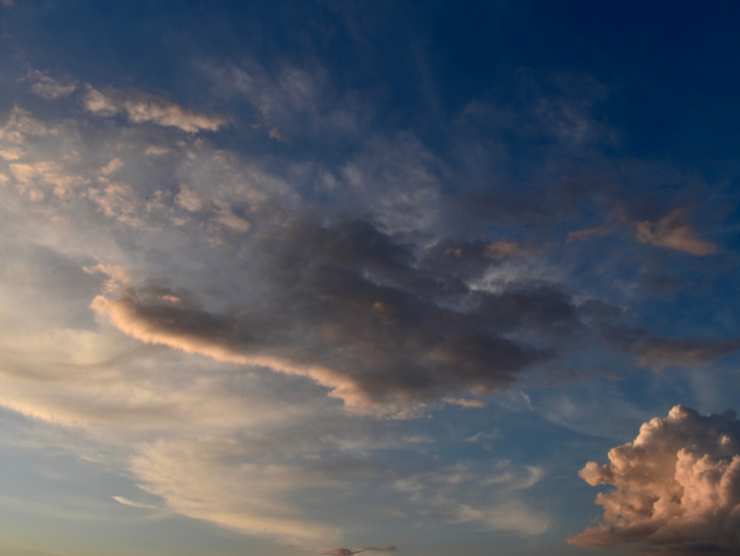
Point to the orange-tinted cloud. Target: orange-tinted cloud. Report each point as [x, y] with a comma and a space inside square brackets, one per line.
[672, 232]
[676, 487]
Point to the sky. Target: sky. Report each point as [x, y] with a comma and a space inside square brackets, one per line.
[417, 278]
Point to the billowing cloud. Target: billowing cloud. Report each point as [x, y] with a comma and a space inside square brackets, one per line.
[141, 108]
[672, 232]
[676, 487]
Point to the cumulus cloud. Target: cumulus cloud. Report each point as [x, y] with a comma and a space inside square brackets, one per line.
[672, 232]
[142, 108]
[676, 487]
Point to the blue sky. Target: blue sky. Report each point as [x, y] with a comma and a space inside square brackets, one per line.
[295, 277]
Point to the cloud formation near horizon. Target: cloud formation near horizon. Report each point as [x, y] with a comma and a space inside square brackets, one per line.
[676, 487]
[349, 552]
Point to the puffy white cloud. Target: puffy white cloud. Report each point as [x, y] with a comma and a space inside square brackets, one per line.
[676, 487]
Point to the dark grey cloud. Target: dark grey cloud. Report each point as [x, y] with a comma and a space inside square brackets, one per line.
[373, 320]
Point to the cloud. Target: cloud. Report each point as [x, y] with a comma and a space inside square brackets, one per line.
[513, 517]
[588, 233]
[142, 108]
[676, 487]
[123, 501]
[199, 480]
[349, 552]
[355, 316]
[486, 498]
[45, 86]
[46, 175]
[293, 102]
[659, 353]
[672, 232]
[21, 125]
[503, 248]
